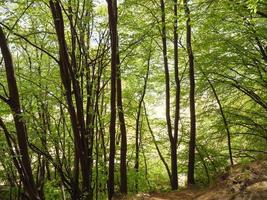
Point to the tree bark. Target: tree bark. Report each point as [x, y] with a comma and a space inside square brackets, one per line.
[137, 124]
[174, 166]
[173, 136]
[123, 150]
[224, 120]
[21, 131]
[192, 142]
[166, 69]
[112, 127]
[68, 74]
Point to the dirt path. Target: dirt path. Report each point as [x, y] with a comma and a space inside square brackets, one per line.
[183, 195]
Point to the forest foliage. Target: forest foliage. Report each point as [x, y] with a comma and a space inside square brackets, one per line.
[101, 97]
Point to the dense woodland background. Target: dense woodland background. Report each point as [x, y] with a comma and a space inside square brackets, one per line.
[102, 97]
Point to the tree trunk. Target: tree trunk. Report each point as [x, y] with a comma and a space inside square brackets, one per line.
[112, 128]
[123, 152]
[156, 145]
[224, 120]
[166, 69]
[137, 124]
[172, 136]
[21, 131]
[192, 142]
[68, 74]
[174, 166]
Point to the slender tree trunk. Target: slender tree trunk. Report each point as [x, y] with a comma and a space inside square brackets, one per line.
[112, 128]
[65, 77]
[136, 162]
[166, 69]
[173, 137]
[68, 72]
[123, 153]
[174, 166]
[137, 124]
[203, 163]
[123, 150]
[156, 145]
[137, 151]
[21, 131]
[192, 142]
[224, 120]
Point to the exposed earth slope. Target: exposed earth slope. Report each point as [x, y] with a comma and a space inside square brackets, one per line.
[240, 182]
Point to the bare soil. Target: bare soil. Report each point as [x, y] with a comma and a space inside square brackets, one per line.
[240, 182]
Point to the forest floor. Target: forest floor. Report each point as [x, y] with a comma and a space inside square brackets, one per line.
[240, 182]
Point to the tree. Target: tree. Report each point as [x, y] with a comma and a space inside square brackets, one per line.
[112, 9]
[192, 142]
[22, 164]
[123, 150]
[173, 135]
[174, 141]
[93, 100]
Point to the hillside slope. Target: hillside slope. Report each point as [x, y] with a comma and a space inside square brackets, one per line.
[240, 182]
